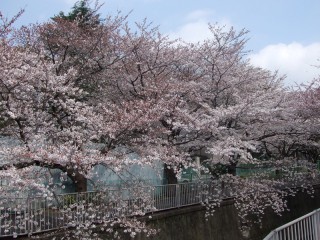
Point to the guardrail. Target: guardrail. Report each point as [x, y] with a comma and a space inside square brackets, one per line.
[26, 216]
[306, 227]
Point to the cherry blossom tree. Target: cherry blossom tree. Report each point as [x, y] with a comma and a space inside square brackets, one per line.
[57, 121]
[241, 115]
[93, 101]
[79, 91]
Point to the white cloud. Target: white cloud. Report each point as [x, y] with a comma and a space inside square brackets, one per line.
[193, 31]
[195, 28]
[199, 14]
[295, 60]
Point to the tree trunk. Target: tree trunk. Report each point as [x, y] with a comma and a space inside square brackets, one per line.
[79, 181]
[169, 175]
[232, 168]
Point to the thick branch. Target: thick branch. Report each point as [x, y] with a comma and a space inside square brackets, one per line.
[21, 165]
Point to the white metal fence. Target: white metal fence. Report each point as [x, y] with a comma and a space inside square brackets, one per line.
[306, 227]
[25, 216]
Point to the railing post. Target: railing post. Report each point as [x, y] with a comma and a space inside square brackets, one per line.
[153, 199]
[203, 188]
[178, 202]
[318, 222]
[315, 225]
[29, 220]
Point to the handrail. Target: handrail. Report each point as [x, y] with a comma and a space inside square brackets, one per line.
[305, 227]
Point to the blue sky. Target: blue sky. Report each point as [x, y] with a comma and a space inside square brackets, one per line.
[283, 34]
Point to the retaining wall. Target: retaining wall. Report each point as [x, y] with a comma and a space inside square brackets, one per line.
[189, 223]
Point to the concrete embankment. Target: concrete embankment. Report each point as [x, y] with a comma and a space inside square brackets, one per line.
[189, 223]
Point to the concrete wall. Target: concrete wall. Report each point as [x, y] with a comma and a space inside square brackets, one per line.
[299, 205]
[190, 223]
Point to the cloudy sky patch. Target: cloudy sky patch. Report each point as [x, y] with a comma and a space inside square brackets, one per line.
[283, 34]
[295, 60]
[195, 27]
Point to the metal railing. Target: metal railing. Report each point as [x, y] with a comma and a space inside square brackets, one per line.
[26, 216]
[306, 227]
[29, 215]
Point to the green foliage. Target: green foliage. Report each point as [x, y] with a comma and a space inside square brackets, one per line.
[82, 13]
[69, 199]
